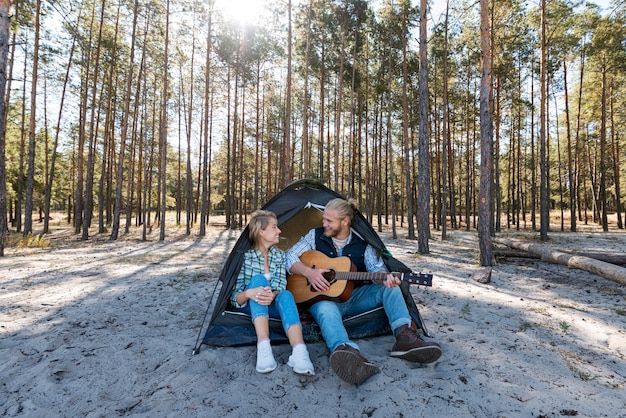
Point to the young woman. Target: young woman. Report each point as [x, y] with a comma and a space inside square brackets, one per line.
[260, 291]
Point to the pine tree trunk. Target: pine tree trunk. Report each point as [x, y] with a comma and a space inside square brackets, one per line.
[5, 24]
[287, 178]
[616, 153]
[544, 208]
[570, 160]
[405, 129]
[445, 134]
[30, 175]
[50, 179]
[486, 140]
[124, 130]
[206, 190]
[423, 193]
[603, 203]
[163, 130]
[93, 132]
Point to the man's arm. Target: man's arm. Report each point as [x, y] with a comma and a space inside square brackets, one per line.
[293, 254]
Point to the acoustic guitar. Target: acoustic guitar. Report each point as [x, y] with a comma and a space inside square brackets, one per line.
[341, 276]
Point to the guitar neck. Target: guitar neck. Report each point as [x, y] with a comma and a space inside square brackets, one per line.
[362, 276]
[424, 279]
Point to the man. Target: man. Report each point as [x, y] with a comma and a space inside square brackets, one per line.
[335, 239]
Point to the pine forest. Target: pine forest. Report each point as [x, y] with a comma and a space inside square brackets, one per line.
[117, 113]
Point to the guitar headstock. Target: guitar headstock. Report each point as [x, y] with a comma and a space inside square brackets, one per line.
[424, 279]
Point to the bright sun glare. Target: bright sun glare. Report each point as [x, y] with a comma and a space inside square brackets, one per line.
[244, 11]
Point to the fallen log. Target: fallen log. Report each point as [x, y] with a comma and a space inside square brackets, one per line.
[600, 268]
[617, 259]
[513, 253]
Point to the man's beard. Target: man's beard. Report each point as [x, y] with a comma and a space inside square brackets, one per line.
[330, 232]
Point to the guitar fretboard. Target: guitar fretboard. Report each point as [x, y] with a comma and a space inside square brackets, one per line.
[360, 275]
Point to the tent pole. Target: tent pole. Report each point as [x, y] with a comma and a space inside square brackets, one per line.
[196, 346]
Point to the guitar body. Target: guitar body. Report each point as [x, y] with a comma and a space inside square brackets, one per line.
[339, 290]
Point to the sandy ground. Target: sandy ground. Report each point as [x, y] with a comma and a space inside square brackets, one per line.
[102, 328]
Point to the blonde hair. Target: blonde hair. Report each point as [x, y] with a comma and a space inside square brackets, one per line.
[344, 208]
[259, 220]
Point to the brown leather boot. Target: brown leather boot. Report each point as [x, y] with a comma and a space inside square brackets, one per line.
[350, 365]
[410, 346]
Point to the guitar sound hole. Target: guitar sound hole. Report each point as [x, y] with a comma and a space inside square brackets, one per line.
[330, 276]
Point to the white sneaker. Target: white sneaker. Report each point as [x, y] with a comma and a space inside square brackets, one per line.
[265, 362]
[300, 362]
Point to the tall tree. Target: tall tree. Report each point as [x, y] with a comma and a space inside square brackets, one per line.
[57, 133]
[32, 128]
[93, 131]
[423, 192]
[5, 24]
[163, 127]
[445, 129]
[608, 53]
[188, 132]
[344, 18]
[544, 207]
[117, 211]
[206, 178]
[615, 153]
[405, 119]
[486, 140]
[287, 164]
[306, 148]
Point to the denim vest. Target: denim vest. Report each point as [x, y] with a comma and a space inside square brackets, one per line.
[354, 250]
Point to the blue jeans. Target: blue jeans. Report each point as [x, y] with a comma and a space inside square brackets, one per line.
[328, 314]
[283, 307]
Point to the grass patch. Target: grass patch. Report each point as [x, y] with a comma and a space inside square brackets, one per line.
[34, 241]
[610, 290]
[465, 311]
[201, 277]
[526, 326]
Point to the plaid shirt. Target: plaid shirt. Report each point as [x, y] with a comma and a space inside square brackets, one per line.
[254, 264]
[373, 263]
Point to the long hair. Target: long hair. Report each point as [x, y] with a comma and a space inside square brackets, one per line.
[259, 220]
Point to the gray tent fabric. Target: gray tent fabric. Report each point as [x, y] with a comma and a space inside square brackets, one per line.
[298, 208]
